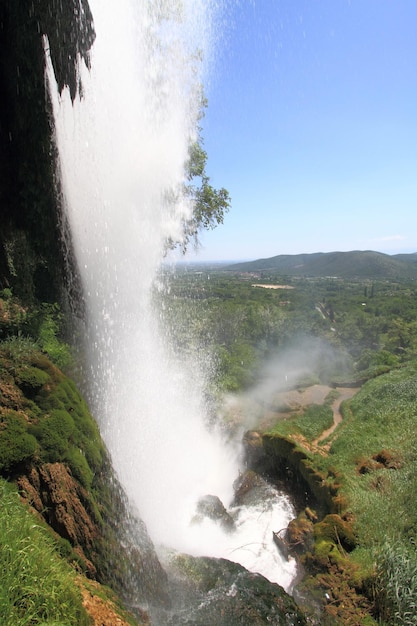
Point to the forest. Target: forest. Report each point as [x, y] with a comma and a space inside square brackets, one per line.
[244, 319]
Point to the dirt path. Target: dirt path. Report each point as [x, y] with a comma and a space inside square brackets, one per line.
[345, 394]
[296, 399]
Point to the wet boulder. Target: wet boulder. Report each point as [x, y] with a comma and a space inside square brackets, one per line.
[217, 591]
[245, 484]
[211, 507]
[253, 447]
[251, 489]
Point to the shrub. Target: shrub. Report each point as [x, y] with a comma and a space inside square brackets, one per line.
[19, 348]
[58, 351]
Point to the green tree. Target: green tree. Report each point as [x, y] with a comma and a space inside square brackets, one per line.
[210, 204]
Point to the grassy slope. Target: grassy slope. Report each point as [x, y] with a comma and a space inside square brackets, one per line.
[372, 458]
[37, 586]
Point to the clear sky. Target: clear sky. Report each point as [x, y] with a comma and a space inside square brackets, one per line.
[312, 127]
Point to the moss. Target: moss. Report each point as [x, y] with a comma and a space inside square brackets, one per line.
[300, 533]
[323, 548]
[334, 528]
[17, 446]
[54, 433]
[53, 418]
[79, 466]
[286, 457]
[30, 380]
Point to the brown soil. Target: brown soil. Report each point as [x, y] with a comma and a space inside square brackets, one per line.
[104, 612]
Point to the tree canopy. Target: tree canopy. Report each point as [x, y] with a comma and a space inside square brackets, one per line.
[210, 204]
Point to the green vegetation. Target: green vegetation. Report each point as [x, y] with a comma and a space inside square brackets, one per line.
[361, 328]
[37, 586]
[17, 446]
[370, 471]
[364, 474]
[210, 204]
[35, 327]
[375, 449]
[313, 420]
[43, 418]
[396, 583]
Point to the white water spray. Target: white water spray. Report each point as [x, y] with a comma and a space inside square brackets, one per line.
[122, 150]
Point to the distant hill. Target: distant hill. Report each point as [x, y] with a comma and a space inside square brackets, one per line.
[355, 264]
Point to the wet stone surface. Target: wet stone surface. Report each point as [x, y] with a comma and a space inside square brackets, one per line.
[216, 591]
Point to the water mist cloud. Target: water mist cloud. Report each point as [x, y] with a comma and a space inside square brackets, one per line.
[306, 361]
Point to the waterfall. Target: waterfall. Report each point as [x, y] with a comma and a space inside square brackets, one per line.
[122, 151]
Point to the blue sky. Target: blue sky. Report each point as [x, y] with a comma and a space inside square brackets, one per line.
[312, 127]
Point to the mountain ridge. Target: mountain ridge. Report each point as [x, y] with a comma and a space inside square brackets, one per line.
[352, 264]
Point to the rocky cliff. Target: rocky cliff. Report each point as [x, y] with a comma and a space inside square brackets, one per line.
[33, 258]
[51, 449]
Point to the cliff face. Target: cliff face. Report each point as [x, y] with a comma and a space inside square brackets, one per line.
[32, 260]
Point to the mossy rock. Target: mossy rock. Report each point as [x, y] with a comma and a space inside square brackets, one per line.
[17, 446]
[79, 467]
[300, 533]
[217, 591]
[47, 415]
[54, 434]
[286, 458]
[30, 380]
[337, 530]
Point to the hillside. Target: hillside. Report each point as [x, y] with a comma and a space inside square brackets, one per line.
[354, 264]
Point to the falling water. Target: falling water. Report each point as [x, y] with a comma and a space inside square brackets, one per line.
[122, 151]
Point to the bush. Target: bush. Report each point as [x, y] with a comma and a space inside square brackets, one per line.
[58, 351]
[18, 348]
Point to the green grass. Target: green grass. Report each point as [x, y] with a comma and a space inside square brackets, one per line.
[381, 417]
[36, 586]
[396, 583]
[311, 423]
[374, 455]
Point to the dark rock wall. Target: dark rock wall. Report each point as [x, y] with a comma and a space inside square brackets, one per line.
[32, 259]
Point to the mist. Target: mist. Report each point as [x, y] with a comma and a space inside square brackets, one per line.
[304, 362]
